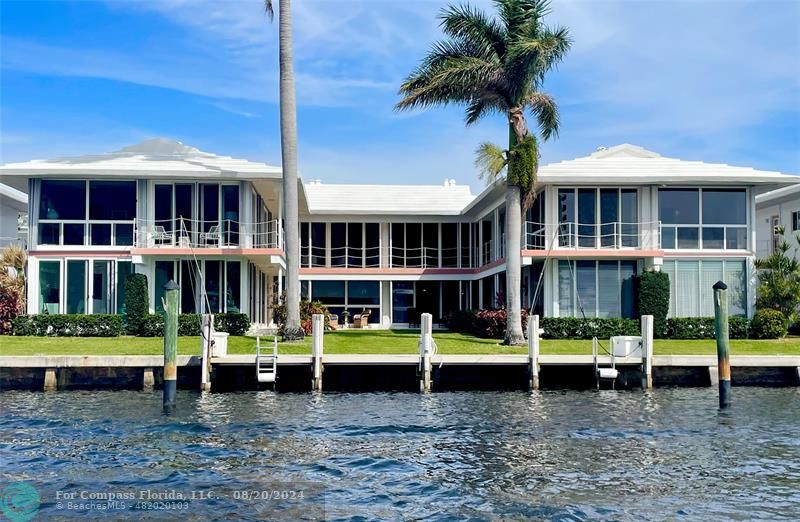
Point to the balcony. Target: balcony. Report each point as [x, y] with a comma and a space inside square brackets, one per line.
[613, 235]
[196, 234]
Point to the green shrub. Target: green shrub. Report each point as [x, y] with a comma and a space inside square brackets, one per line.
[738, 327]
[491, 324]
[137, 302]
[653, 288]
[580, 328]
[768, 324]
[69, 325]
[190, 324]
[307, 309]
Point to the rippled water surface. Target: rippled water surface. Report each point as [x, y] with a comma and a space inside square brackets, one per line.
[572, 455]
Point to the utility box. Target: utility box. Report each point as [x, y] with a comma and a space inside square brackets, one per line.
[220, 347]
[626, 345]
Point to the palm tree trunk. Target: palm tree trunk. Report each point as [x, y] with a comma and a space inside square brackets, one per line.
[289, 164]
[514, 334]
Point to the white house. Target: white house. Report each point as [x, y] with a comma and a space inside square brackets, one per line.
[214, 223]
[779, 207]
[13, 215]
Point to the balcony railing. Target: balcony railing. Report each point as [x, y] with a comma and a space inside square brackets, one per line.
[191, 233]
[611, 235]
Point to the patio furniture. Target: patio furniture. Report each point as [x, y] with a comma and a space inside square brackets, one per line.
[362, 320]
[212, 234]
[160, 235]
[333, 321]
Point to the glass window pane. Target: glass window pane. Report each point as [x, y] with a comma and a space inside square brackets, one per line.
[355, 244]
[629, 203]
[679, 206]
[165, 272]
[305, 242]
[566, 217]
[101, 233]
[627, 271]
[163, 206]
[317, 244]
[233, 288]
[123, 234]
[430, 233]
[736, 279]
[450, 297]
[230, 214]
[213, 283]
[587, 204]
[713, 237]
[668, 239]
[338, 244]
[76, 287]
[608, 289]
[413, 244]
[565, 290]
[372, 238]
[50, 286]
[710, 273]
[328, 292]
[73, 233]
[669, 269]
[62, 199]
[363, 292]
[449, 244]
[402, 300]
[189, 288]
[49, 233]
[585, 286]
[736, 238]
[688, 237]
[101, 287]
[113, 200]
[398, 247]
[725, 206]
[123, 269]
[609, 218]
[210, 206]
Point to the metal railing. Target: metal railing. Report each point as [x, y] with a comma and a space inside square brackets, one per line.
[384, 256]
[610, 235]
[193, 233]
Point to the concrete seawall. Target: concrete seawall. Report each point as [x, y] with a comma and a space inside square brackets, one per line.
[384, 372]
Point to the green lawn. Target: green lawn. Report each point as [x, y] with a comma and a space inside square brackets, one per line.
[370, 341]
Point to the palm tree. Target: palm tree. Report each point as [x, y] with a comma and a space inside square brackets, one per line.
[497, 65]
[288, 105]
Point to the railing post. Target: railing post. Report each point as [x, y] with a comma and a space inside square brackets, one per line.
[721, 333]
[533, 351]
[425, 348]
[317, 330]
[170, 345]
[647, 352]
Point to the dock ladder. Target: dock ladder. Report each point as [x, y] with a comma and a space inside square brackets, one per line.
[266, 363]
[604, 373]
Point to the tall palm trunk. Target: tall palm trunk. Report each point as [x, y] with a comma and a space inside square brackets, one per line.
[514, 334]
[289, 163]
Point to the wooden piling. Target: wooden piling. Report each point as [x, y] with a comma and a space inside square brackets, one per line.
[425, 352]
[647, 352]
[170, 344]
[533, 352]
[317, 332]
[721, 333]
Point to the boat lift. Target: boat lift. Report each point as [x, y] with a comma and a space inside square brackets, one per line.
[266, 363]
[621, 346]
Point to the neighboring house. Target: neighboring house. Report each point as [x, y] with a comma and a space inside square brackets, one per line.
[173, 212]
[13, 216]
[779, 207]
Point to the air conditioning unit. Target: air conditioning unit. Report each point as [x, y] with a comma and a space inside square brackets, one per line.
[626, 345]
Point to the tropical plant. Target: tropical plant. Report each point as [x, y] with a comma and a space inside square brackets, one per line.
[288, 106]
[497, 65]
[779, 279]
[12, 286]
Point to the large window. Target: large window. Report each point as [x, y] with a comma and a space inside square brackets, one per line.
[353, 296]
[71, 214]
[79, 286]
[597, 218]
[50, 286]
[693, 218]
[596, 288]
[691, 285]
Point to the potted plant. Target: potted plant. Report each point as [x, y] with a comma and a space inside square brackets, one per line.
[345, 315]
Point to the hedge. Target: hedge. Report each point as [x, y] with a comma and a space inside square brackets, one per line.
[653, 291]
[136, 302]
[189, 324]
[580, 328]
[69, 325]
[703, 328]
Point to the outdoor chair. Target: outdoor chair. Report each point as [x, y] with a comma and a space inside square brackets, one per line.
[333, 321]
[160, 235]
[211, 235]
[362, 320]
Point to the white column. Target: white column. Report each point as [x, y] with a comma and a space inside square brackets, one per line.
[317, 328]
[425, 349]
[647, 352]
[533, 351]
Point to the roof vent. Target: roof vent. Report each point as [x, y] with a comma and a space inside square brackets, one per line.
[601, 148]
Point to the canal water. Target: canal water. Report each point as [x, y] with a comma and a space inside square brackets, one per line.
[665, 455]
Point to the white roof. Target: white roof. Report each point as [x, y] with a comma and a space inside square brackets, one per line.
[633, 164]
[445, 199]
[14, 194]
[159, 157]
[785, 192]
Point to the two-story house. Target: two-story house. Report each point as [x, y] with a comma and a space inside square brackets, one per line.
[214, 225]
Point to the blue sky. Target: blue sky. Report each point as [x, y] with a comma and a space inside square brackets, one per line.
[717, 81]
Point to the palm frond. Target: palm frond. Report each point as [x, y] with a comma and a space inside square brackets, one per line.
[531, 57]
[490, 160]
[268, 9]
[485, 104]
[545, 110]
[473, 25]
